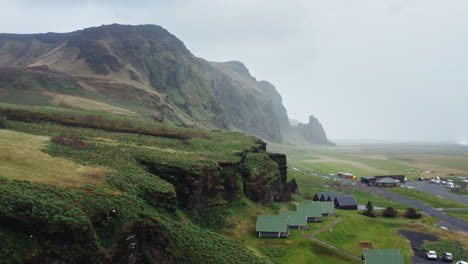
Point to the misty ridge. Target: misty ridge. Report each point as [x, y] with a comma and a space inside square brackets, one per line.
[386, 70]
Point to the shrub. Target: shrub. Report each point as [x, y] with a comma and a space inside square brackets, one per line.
[390, 212]
[3, 121]
[70, 141]
[369, 210]
[412, 213]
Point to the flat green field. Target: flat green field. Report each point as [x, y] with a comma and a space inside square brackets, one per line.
[365, 160]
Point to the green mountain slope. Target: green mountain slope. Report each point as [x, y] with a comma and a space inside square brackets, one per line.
[131, 191]
[141, 71]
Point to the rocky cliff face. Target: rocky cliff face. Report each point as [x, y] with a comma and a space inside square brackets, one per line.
[142, 71]
[247, 106]
[313, 132]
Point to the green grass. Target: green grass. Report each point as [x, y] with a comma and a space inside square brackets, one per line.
[310, 185]
[295, 249]
[381, 232]
[139, 184]
[462, 214]
[456, 248]
[21, 158]
[428, 198]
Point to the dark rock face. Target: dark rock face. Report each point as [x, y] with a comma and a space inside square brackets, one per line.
[277, 100]
[280, 159]
[260, 176]
[313, 132]
[143, 242]
[245, 104]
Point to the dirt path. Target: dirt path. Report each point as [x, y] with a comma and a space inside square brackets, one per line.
[312, 237]
[369, 169]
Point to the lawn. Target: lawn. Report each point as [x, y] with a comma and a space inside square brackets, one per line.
[357, 229]
[295, 249]
[462, 214]
[21, 158]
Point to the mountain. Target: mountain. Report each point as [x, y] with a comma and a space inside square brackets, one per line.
[312, 133]
[142, 71]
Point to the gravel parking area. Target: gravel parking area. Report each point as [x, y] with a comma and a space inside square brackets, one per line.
[417, 240]
[437, 189]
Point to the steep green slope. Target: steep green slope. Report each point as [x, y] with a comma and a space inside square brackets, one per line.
[161, 191]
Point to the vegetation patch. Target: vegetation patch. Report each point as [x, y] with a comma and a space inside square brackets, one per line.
[22, 158]
[454, 247]
[428, 198]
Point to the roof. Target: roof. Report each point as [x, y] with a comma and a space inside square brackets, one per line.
[310, 209]
[333, 196]
[368, 177]
[384, 259]
[388, 180]
[322, 194]
[368, 252]
[327, 207]
[272, 223]
[295, 218]
[382, 256]
[346, 200]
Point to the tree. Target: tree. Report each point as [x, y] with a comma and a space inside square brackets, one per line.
[3, 121]
[390, 212]
[369, 209]
[412, 213]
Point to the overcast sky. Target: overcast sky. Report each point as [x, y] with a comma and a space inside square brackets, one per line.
[368, 69]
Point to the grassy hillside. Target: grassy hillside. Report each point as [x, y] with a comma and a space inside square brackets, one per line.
[79, 186]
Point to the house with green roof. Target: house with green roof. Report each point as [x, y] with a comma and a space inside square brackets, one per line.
[313, 211]
[328, 208]
[297, 220]
[382, 256]
[272, 225]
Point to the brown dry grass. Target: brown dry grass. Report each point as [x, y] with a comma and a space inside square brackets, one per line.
[21, 158]
[86, 104]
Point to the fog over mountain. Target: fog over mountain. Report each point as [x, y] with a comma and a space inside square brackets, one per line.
[381, 69]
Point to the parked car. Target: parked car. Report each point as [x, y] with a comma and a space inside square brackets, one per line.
[431, 255]
[421, 178]
[462, 262]
[437, 181]
[443, 182]
[447, 257]
[432, 181]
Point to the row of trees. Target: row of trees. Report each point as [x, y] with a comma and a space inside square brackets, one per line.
[391, 212]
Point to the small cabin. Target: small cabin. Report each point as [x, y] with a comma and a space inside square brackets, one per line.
[328, 208]
[382, 256]
[272, 226]
[387, 182]
[297, 219]
[313, 211]
[346, 203]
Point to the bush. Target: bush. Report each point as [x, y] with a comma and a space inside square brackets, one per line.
[412, 213]
[390, 212]
[3, 121]
[71, 142]
[370, 210]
